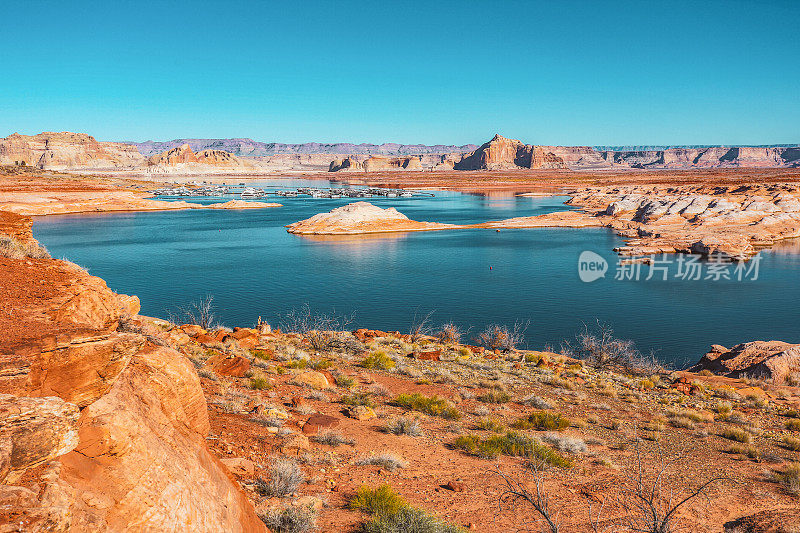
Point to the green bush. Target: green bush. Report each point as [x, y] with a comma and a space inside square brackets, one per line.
[542, 420]
[433, 405]
[488, 424]
[297, 363]
[325, 364]
[378, 361]
[408, 520]
[511, 444]
[344, 381]
[381, 500]
[259, 383]
[358, 398]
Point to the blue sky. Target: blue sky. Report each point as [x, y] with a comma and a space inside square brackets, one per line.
[558, 72]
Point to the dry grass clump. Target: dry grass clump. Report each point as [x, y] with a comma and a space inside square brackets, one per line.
[290, 519]
[378, 360]
[791, 443]
[388, 460]
[511, 444]
[14, 249]
[404, 426]
[344, 381]
[502, 337]
[790, 478]
[432, 405]
[723, 409]
[565, 443]
[258, 383]
[488, 424]
[296, 364]
[744, 449]
[285, 476]
[793, 424]
[333, 438]
[542, 420]
[536, 402]
[358, 398]
[494, 396]
[736, 434]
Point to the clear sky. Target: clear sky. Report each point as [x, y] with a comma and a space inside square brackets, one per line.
[552, 72]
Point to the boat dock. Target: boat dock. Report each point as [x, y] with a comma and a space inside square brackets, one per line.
[248, 193]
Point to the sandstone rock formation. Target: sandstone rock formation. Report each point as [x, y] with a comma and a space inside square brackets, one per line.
[705, 157]
[772, 360]
[185, 161]
[68, 151]
[502, 154]
[100, 429]
[361, 217]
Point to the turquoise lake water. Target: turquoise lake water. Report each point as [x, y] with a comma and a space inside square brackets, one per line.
[253, 268]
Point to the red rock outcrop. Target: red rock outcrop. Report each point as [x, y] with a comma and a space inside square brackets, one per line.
[184, 159]
[100, 429]
[772, 360]
[501, 154]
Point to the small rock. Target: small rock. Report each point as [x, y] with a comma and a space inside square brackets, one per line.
[455, 485]
[313, 379]
[294, 444]
[240, 466]
[308, 502]
[361, 412]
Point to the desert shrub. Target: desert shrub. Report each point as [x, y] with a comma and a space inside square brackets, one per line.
[724, 409]
[449, 334]
[494, 396]
[680, 421]
[285, 476]
[388, 460]
[790, 478]
[290, 519]
[404, 426]
[744, 449]
[488, 424]
[793, 424]
[542, 420]
[646, 384]
[791, 443]
[408, 520]
[323, 364]
[14, 249]
[511, 444]
[501, 337]
[791, 413]
[378, 361]
[260, 354]
[379, 390]
[792, 379]
[258, 383]
[601, 349]
[536, 402]
[358, 398]
[381, 500]
[432, 405]
[344, 381]
[298, 364]
[564, 443]
[736, 434]
[320, 329]
[333, 438]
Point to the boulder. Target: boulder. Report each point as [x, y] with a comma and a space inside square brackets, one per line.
[311, 378]
[317, 422]
[193, 330]
[361, 412]
[229, 365]
[773, 360]
[239, 466]
[294, 444]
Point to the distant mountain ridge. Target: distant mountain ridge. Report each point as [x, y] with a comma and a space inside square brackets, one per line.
[251, 148]
[657, 147]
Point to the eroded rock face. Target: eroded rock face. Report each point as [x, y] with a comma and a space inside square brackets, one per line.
[501, 153]
[184, 159]
[772, 360]
[67, 151]
[100, 430]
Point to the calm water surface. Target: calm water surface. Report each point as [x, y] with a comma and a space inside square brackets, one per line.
[253, 268]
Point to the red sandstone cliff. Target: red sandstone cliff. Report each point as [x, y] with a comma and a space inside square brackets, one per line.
[67, 151]
[100, 428]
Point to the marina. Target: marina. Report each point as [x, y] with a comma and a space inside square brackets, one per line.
[252, 193]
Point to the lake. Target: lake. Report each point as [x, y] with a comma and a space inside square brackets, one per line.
[253, 267]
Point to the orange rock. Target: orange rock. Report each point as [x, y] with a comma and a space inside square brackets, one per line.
[318, 421]
[430, 355]
[226, 365]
